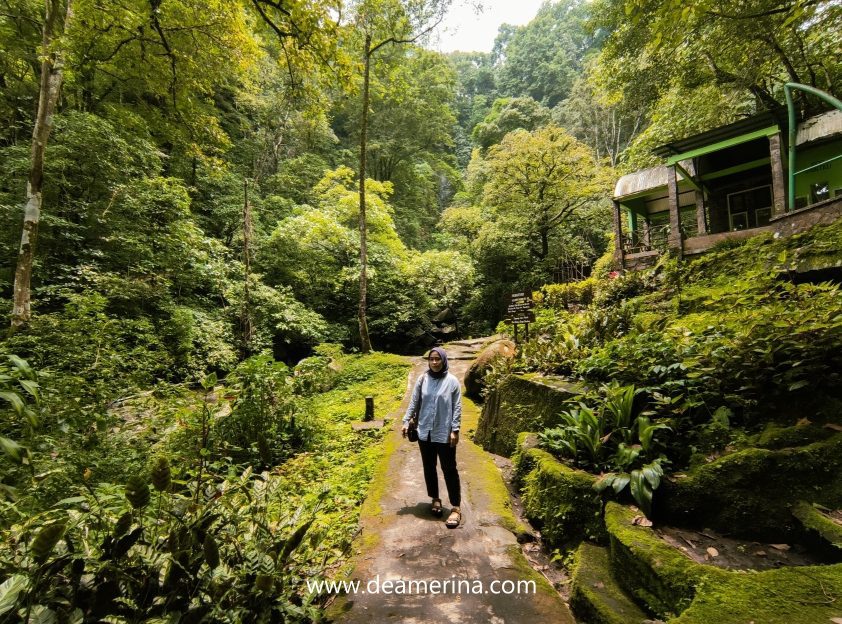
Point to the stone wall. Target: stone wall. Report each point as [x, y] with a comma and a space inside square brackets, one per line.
[797, 221]
[528, 402]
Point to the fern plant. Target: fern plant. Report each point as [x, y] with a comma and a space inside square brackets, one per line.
[612, 437]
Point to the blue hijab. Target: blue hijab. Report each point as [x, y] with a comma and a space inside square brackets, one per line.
[443, 371]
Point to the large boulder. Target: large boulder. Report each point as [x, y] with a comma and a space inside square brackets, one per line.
[529, 402]
[480, 366]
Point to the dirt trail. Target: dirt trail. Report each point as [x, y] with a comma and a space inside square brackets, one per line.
[401, 541]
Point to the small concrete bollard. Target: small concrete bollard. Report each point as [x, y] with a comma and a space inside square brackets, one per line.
[369, 408]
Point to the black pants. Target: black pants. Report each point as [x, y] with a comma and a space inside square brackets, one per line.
[447, 455]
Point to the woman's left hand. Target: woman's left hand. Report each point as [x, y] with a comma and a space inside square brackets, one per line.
[454, 438]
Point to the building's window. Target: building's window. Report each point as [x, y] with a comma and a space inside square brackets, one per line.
[750, 208]
[819, 192]
[739, 221]
[800, 202]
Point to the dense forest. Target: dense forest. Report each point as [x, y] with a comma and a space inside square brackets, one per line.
[204, 203]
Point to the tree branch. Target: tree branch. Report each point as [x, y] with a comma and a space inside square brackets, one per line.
[749, 16]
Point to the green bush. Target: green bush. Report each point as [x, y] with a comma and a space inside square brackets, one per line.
[131, 554]
[562, 296]
[606, 431]
[262, 428]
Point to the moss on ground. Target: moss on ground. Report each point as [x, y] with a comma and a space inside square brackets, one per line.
[521, 403]
[803, 595]
[819, 527]
[774, 436]
[673, 586]
[596, 597]
[750, 493]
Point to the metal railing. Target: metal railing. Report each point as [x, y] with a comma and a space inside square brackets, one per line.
[793, 133]
[656, 238]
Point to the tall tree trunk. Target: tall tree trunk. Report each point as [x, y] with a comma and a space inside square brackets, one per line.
[365, 341]
[248, 328]
[51, 78]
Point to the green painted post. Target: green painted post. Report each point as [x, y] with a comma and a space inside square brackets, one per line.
[793, 130]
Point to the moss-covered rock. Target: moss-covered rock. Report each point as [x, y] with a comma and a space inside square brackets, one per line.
[596, 598]
[521, 403]
[650, 570]
[523, 461]
[774, 436]
[475, 375]
[750, 493]
[819, 528]
[802, 595]
[558, 498]
[681, 591]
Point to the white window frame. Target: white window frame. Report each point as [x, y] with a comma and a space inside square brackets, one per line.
[748, 190]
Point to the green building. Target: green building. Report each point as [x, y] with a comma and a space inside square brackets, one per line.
[727, 183]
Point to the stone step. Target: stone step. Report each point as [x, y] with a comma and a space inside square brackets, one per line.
[655, 574]
[596, 597]
[681, 591]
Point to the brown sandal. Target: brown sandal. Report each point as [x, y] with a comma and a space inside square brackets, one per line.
[454, 519]
[436, 509]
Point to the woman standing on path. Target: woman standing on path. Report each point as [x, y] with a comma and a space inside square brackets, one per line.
[437, 400]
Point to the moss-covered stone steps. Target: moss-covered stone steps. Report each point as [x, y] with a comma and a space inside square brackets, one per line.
[751, 493]
[681, 591]
[558, 499]
[596, 598]
[655, 574]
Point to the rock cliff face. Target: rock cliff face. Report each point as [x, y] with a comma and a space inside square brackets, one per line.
[522, 403]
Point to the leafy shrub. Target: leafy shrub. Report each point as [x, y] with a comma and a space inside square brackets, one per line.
[612, 435]
[625, 286]
[135, 555]
[562, 296]
[261, 429]
[314, 375]
[19, 406]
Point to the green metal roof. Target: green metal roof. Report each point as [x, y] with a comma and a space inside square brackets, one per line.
[721, 145]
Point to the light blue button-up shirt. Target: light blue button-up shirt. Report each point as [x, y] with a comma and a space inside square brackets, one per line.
[441, 407]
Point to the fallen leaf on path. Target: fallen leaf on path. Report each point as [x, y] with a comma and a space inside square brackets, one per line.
[760, 553]
[782, 547]
[712, 551]
[599, 585]
[836, 620]
[834, 426]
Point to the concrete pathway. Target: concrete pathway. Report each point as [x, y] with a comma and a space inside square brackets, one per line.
[402, 542]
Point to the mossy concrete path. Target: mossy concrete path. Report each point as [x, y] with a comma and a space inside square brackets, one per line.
[403, 543]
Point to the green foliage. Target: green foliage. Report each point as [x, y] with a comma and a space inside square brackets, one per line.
[209, 540]
[507, 115]
[262, 429]
[561, 296]
[543, 57]
[614, 436]
[94, 559]
[19, 405]
[315, 374]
